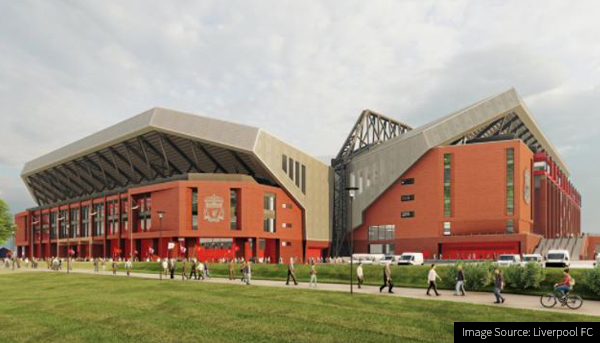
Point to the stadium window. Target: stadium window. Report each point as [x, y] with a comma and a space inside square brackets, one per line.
[381, 232]
[291, 169]
[510, 226]
[447, 227]
[510, 179]
[303, 179]
[233, 209]
[408, 197]
[447, 185]
[284, 163]
[409, 181]
[194, 208]
[407, 214]
[297, 174]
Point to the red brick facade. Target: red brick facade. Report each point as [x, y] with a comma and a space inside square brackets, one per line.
[246, 238]
[480, 222]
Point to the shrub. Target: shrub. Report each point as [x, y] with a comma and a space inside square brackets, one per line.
[592, 279]
[532, 276]
[478, 275]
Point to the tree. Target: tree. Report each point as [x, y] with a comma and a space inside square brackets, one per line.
[7, 226]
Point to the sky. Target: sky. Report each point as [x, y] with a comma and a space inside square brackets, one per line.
[302, 70]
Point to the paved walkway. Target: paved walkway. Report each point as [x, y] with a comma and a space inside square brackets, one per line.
[483, 298]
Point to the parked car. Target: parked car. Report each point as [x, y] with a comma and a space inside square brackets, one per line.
[508, 259]
[411, 258]
[558, 258]
[533, 258]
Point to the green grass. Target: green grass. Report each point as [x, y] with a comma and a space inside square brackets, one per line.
[55, 307]
[403, 276]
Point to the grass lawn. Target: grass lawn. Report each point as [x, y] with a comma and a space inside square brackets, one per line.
[49, 307]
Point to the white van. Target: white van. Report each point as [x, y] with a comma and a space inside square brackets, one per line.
[411, 258]
[533, 258]
[558, 258]
[367, 258]
[508, 259]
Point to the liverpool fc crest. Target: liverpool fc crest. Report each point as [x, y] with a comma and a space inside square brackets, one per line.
[213, 209]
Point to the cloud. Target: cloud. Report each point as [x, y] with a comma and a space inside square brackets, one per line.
[301, 70]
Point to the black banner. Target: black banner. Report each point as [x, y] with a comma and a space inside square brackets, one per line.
[526, 332]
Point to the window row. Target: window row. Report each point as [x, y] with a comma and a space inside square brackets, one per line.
[295, 170]
[382, 232]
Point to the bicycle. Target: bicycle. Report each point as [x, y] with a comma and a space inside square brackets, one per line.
[572, 301]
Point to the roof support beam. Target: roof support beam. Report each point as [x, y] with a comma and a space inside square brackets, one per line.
[86, 181]
[181, 153]
[84, 166]
[157, 153]
[240, 161]
[70, 180]
[42, 196]
[128, 160]
[66, 190]
[102, 158]
[211, 158]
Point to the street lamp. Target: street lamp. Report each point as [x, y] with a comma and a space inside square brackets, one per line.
[91, 232]
[351, 191]
[68, 247]
[58, 220]
[33, 223]
[131, 229]
[160, 218]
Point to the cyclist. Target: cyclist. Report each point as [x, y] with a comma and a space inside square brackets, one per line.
[565, 285]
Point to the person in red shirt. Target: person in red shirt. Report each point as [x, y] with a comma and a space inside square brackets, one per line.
[565, 285]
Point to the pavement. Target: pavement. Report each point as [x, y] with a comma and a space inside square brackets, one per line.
[518, 301]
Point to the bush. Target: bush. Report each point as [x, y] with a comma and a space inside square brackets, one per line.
[478, 276]
[592, 280]
[532, 276]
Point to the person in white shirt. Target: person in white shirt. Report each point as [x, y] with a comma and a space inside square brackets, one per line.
[200, 270]
[128, 266]
[359, 274]
[165, 266]
[431, 277]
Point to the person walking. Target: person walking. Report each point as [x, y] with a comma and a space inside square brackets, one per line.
[96, 265]
[248, 272]
[128, 267]
[165, 266]
[206, 273]
[114, 267]
[387, 279]
[460, 281]
[103, 265]
[313, 274]
[431, 277]
[359, 274]
[183, 269]
[291, 273]
[498, 287]
[231, 270]
[193, 270]
[200, 270]
[172, 267]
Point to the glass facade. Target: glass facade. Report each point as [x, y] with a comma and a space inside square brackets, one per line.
[387, 249]
[74, 229]
[216, 243]
[510, 181]
[233, 209]
[98, 220]
[382, 232]
[194, 208]
[269, 212]
[85, 221]
[447, 185]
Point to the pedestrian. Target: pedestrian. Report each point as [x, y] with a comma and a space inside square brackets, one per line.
[165, 266]
[313, 274]
[206, 273]
[95, 265]
[231, 270]
[431, 277]
[183, 269]
[566, 284]
[359, 274]
[387, 279]
[498, 287]
[248, 272]
[291, 273]
[460, 282]
[128, 266]
[114, 267]
[172, 268]
[103, 265]
[193, 270]
[200, 270]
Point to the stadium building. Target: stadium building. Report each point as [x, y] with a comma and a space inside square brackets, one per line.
[474, 184]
